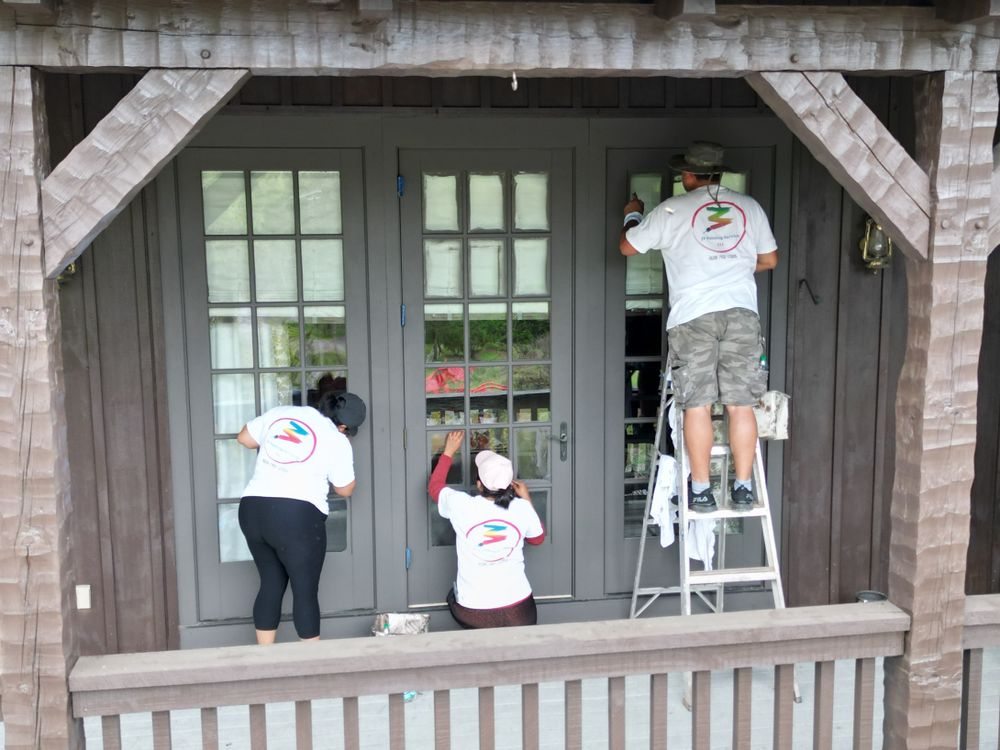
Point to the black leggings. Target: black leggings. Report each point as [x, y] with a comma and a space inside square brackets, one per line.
[287, 539]
[523, 612]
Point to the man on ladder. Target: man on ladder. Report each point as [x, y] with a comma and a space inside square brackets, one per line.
[713, 241]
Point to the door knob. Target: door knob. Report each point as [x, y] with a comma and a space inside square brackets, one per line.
[563, 438]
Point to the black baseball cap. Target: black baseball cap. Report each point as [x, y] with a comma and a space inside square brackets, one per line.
[345, 409]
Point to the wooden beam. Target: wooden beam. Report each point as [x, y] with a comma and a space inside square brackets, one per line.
[126, 150]
[936, 410]
[30, 7]
[441, 38]
[963, 11]
[995, 203]
[37, 642]
[374, 10]
[848, 139]
[670, 9]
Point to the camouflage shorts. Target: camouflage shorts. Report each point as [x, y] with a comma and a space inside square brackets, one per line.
[716, 357]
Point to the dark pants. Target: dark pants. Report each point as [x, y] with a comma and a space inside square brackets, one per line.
[287, 539]
[523, 612]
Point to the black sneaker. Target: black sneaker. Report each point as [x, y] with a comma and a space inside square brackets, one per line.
[701, 502]
[742, 498]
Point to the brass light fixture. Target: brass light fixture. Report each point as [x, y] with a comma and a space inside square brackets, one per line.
[876, 246]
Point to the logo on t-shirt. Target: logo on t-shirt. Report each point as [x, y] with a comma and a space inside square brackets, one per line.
[493, 540]
[289, 441]
[719, 226]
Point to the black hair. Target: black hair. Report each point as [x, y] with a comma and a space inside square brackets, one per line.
[499, 497]
[329, 405]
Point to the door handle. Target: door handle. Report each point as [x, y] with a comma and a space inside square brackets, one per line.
[563, 438]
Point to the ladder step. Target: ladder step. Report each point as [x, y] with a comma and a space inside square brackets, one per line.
[733, 575]
[758, 511]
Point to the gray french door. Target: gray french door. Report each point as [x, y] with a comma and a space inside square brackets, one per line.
[487, 283]
[636, 295]
[272, 249]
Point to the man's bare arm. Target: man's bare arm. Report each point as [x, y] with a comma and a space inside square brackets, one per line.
[766, 261]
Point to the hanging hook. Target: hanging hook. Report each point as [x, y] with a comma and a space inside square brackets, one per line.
[513, 81]
[812, 295]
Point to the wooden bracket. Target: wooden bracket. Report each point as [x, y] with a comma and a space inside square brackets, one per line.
[669, 9]
[964, 11]
[126, 150]
[863, 156]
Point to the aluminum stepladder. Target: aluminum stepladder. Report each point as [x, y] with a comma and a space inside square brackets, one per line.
[701, 582]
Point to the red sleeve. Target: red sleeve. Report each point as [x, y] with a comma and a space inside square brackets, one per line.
[438, 477]
[536, 539]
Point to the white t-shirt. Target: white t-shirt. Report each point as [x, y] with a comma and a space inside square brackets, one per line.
[710, 249]
[301, 454]
[490, 545]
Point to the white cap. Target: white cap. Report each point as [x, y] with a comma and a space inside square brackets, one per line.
[495, 471]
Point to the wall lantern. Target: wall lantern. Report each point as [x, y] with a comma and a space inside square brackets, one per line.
[876, 246]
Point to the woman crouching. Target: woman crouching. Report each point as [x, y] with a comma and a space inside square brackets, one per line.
[491, 589]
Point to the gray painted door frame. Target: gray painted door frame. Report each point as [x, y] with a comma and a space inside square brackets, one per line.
[380, 136]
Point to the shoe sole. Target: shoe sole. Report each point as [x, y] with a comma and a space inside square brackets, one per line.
[742, 507]
[704, 509]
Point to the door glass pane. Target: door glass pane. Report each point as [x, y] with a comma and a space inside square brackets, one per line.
[322, 270]
[272, 202]
[278, 336]
[487, 268]
[440, 203]
[638, 449]
[233, 467]
[445, 388]
[444, 333]
[228, 268]
[324, 381]
[435, 447]
[232, 544]
[326, 335]
[644, 273]
[540, 499]
[319, 203]
[487, 395]
[489, 439]
[737, 181]
[279, 389]
[648, 188]
[442, 268]
[233, 400]
[231, 337]
[531, 330]
[225, 202]
[275, 270]
[643, 327]
[336, 524]
[487, 331]
[642, 388]
[532, 390]
[531, 266]
[635, 506]
[532, 452]
[486, 202]
[531, 200]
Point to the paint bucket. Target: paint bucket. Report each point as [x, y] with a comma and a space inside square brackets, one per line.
[870, 596]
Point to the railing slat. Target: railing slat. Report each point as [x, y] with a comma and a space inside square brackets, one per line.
[701, 710]
[864, 700]
[161, 730]
[784, 699]
[823, 706]
[442, 720]
[616, 713]
[529, 716]
[210, 728]
[972, 695]
[352, 731]
[111, 732]
[303, 725]
[574, 714]
[258, 727]
[487, 732]
[742, 696]
[397, 722]
[657, 711]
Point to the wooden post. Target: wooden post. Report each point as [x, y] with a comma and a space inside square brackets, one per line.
[37, 644]
[936, 410]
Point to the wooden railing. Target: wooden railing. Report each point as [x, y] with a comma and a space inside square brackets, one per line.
[982, 630]
[109, 686]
